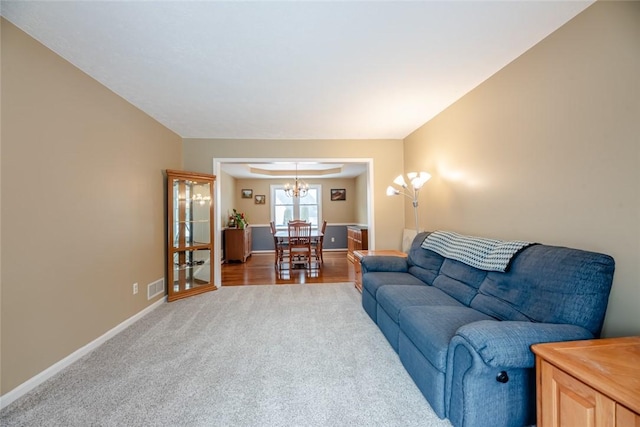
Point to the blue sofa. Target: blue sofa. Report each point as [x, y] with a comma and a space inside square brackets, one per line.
[464, 334]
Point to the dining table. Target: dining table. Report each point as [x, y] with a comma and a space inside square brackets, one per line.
[283, 235]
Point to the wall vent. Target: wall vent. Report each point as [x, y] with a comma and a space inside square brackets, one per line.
[156, 288]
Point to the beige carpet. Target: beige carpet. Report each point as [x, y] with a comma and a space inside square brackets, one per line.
[299, 355]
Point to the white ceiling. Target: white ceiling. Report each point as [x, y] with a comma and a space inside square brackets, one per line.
[289, 69]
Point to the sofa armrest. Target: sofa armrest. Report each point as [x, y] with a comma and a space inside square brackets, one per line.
[384, 263]
[506, 344]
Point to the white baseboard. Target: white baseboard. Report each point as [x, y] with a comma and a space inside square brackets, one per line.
[30, 384]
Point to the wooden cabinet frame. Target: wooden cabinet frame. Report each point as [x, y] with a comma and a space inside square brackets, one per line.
[591, 383]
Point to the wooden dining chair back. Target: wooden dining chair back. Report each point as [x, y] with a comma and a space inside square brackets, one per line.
[280, 246]
[318, 242]
[299, 243]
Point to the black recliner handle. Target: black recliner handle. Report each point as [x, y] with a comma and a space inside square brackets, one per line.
[502, 377]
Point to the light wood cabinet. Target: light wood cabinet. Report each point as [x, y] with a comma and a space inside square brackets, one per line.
[594, 383]
[237, 244]
[190, 233]
[357, 239]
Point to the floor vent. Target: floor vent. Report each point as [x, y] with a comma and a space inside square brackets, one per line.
[156, 288]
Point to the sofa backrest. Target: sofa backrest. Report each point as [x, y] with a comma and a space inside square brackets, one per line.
[423, 264]
[550, 284]
[459, 280]
[544, 283]
[455, 278]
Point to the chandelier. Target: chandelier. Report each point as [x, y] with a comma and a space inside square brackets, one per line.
[298, 189]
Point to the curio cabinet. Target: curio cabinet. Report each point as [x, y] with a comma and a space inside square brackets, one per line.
[190, 234]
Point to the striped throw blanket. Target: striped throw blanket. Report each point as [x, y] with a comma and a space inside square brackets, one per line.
[478, 252]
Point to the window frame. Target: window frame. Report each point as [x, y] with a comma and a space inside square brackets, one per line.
[296, 204]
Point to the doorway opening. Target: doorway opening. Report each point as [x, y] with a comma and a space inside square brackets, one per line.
[227, 164]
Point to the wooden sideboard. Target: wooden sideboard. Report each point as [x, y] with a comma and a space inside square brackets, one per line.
[593, 383]
[237, 244]
[358, 255]
[357, 239]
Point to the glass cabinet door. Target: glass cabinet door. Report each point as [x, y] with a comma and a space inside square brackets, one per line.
[191, 213]
[191, 269]
[190, 216]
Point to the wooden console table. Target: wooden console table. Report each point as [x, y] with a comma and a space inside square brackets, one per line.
[357, 255]
[588, 383]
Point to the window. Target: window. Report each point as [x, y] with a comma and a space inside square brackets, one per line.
[285, 208]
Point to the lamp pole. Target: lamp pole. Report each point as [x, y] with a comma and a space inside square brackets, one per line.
[415, 212]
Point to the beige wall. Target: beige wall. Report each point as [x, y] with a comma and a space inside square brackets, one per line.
[227, 188]
[362, 200]
[548, 150]
[387, 158]
[82, 207]
[333, 212]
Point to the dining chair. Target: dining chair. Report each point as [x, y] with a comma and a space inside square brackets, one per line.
[317, 243]
[279, 245]
[299, 243]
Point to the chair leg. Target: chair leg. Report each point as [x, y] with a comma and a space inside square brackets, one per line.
[279, 259]
[318, 254]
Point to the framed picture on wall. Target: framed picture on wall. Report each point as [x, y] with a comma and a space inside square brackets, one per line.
[260, 199]
[247, 194]
[338, 194]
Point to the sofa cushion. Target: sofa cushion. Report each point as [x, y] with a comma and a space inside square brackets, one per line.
[459, 280]
[430, 329]
[392, 299]
[550, 284]
[374, 280]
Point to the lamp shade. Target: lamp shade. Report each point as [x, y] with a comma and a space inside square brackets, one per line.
[400, 181]
[392, 191]
[419, 180]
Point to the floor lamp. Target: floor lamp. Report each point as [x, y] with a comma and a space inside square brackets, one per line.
[417, 180]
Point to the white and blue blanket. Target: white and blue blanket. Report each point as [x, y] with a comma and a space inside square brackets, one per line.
[478, 252]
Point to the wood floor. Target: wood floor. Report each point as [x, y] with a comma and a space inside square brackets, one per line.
[259, 270]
